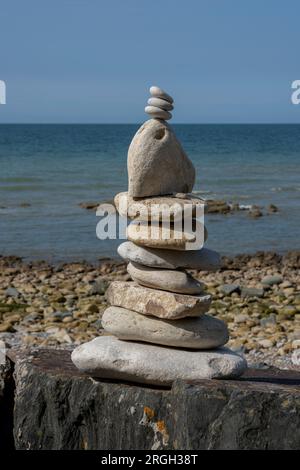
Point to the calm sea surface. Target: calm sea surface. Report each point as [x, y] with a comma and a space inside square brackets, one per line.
[47, 170]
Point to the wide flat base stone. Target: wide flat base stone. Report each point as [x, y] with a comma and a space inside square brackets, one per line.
[109, 357]
[58, 407]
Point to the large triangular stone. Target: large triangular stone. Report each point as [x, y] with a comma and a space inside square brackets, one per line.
[157, 164]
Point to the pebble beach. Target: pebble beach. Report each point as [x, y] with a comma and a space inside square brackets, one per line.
[60, 306]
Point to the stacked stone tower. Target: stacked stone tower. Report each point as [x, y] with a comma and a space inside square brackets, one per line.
[157, 325]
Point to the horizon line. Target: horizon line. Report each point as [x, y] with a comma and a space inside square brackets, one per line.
[141, 122]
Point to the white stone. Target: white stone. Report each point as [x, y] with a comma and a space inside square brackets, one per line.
[158, 92]
[205, 332]
[157, 164]
[159, 103]
[164, 279]
[155, 302]
[158, 113]
[204, 259]
[109, 358]
[167, 236]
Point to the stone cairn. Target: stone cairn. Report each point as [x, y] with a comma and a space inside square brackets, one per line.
[157, 329]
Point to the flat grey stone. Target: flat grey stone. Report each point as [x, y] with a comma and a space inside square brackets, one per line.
[158, 303]
[204, 259]
[157, 164]
[158, 113]
[108, 357]
[164, 279]
[160, 103]
[205, 332]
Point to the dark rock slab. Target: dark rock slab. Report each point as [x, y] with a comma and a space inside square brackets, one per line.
[57, 407]
[6, 404]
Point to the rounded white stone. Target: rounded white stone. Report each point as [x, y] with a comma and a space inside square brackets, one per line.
[205, 332]
[157, 164]
[107, 357]
[159, 103]
[158, 92]
[158, 113]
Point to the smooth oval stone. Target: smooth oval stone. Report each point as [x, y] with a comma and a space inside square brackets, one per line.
[155, 235]
[157, 164]
[156, 208]
[158, 113]
[165, 279]
[204, 259]
[205, 332]
[158, 92]
[108, 357]
[158, 303]
[159, 103]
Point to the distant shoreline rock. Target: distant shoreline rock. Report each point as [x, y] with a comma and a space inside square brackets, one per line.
[212, 206]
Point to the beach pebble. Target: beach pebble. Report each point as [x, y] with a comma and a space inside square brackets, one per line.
[158, 113]
[159, 303]
[205, 332]
[159, 103]
[204, 259]
[12, 292]
[157, 164]
[160, 93]
[272, 280]
[108, 357]
[252, 292]
[164, 279]
[228, 289]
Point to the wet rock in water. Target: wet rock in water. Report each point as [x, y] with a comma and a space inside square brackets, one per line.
[255, 212]
[272, 208]
[89, 205]
[215, 206]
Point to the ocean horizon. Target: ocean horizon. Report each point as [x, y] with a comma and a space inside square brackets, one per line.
[47, 170]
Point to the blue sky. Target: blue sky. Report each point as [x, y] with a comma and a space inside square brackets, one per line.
[94, 60]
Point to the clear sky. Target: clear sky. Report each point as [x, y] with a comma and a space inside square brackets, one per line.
[92, 61]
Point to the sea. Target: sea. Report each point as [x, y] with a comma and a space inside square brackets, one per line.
[46, 171]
